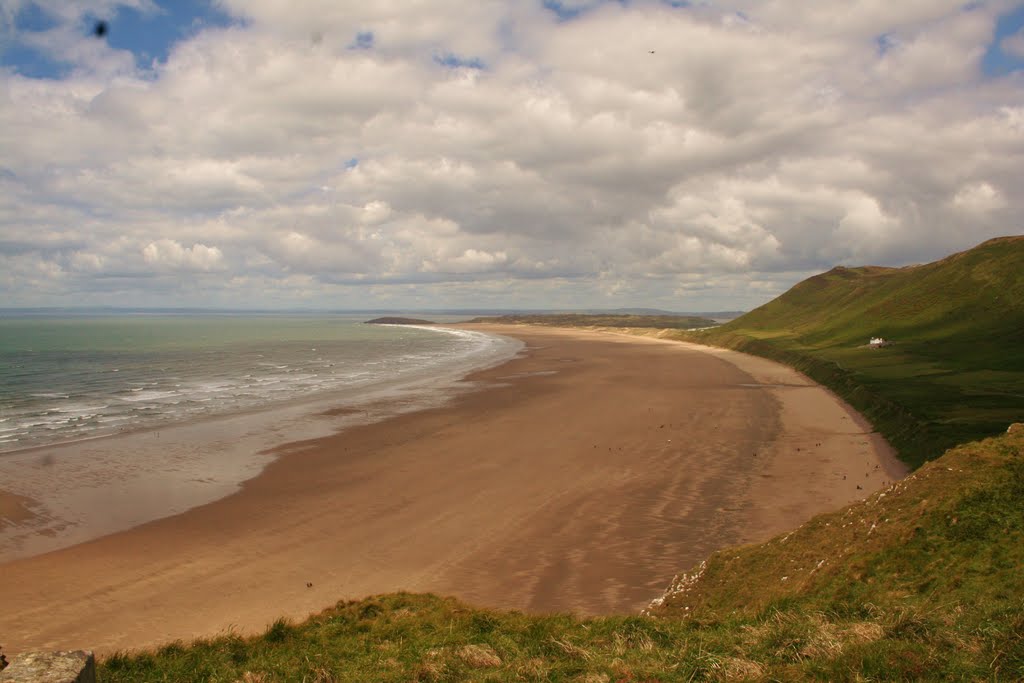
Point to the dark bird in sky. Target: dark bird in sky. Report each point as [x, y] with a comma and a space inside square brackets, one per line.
[100, 29]
[651, 51]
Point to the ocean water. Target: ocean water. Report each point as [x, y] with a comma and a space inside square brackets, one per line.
[69, 378]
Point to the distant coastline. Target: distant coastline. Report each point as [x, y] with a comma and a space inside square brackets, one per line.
[394, 320]
[595, 320]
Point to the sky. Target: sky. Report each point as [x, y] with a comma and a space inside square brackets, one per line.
[690, 156]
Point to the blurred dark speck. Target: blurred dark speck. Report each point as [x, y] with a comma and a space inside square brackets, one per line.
[100, 29]
[47, 460]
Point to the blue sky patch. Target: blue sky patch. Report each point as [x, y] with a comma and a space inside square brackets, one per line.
[566, 11]
[149, 36]
[363, 41]
[27, 60]
[34, 18]
[454, 61]
[998, 62]
[31, 63]
[885, 42]
[561, 11]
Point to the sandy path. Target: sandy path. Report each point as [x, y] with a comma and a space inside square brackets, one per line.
[582, 477]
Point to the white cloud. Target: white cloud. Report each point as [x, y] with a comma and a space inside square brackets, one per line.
[942, 54]
[978, 198]
[171, 255]
[86, 261]
[635, 155]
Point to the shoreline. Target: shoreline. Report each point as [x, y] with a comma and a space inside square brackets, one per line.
[580, 477]
[66, 490]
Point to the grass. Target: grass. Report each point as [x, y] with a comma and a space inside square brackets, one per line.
[405, 637]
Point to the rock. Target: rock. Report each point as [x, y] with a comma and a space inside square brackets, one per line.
[1015, 428]
[77, 666]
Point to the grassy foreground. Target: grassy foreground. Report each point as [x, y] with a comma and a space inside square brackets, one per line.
[920, 582]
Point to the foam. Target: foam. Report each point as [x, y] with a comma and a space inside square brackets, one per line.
[139, 402]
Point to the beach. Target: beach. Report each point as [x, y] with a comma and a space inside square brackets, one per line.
[580, 476]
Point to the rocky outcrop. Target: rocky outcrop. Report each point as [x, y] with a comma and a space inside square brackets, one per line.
[76, 666]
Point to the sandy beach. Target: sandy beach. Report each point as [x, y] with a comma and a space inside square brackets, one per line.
[580, 476]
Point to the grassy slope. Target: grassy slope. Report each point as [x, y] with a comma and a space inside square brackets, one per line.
[954, 372]
[922, 582]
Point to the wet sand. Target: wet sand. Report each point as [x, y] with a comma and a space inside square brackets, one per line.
[580, 477]
[15, 509]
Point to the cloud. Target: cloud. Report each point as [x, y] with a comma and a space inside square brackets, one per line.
[506, 153]
[978, 198]
[169, 254]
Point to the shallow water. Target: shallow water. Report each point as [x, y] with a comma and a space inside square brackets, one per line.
[69, 378]
[115, 422]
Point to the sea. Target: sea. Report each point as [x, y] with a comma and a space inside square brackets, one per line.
[111, 421]
[64, 378]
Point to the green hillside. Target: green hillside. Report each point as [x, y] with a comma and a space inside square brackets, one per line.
[953, 372]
